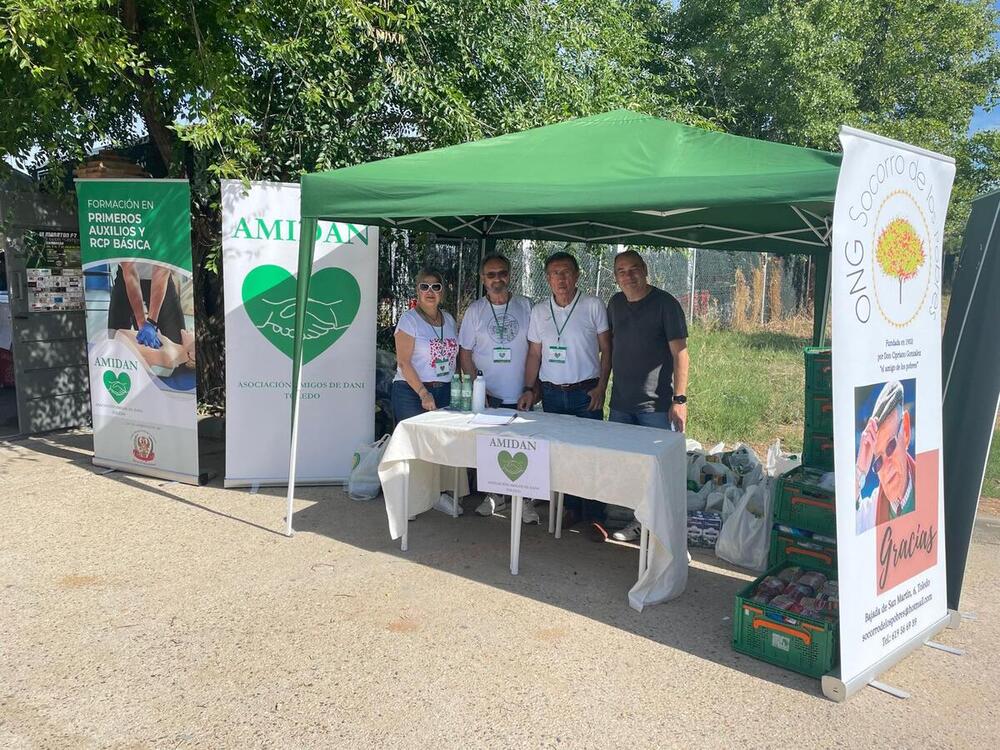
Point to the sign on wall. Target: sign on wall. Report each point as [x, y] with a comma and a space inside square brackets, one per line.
[260, 230]
[886, 303]
[135, 238]
[53, 270]
[513, 466]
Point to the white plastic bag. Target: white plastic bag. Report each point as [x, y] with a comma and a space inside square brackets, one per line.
[364, 483]
[745, 536]
[779, 462]
[731, 497]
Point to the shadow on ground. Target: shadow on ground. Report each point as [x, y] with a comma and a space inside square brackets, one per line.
[572, 573]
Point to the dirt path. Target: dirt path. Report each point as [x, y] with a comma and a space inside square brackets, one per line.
[137, 614]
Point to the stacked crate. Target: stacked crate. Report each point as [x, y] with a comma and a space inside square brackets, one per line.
[817, 442]
[804, 535]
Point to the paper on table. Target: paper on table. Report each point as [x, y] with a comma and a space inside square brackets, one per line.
[494, 417]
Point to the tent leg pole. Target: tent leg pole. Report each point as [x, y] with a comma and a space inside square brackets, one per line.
[821, 295]
[307, 247]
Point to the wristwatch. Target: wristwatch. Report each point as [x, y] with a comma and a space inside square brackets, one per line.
[681, 399]
[528, 388]
[155, 324]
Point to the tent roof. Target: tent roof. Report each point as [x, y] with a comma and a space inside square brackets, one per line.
[618, 177]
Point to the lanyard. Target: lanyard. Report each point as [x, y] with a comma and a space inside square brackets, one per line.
[439, 337]
[501, 329]
[559, 331]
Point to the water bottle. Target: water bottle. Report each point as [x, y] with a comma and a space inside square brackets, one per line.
[456, 391]
[479, 392]
[467, 393]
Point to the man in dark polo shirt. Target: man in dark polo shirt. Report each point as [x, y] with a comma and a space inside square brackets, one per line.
[649, 358]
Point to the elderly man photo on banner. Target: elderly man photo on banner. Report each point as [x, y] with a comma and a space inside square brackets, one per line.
[649, 362]
[886, 468]
[494, 341]
[569, 358]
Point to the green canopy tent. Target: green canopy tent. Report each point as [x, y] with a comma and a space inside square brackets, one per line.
[618, 177]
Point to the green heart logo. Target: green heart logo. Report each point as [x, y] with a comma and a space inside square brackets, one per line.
[269, 299]
[513, 466]
[118, 386]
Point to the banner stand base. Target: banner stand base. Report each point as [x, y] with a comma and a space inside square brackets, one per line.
[259, 483]
[839, 691]
[150, 471]
[954, 619]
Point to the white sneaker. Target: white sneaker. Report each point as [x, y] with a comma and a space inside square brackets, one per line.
[629, 534]
[445, 505]
[492, 505]
[528, 512]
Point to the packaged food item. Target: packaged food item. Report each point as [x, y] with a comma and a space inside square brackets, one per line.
[798, 591]
[790, 574]
[771, 586]
[807, 612]
[795, 607]
[813, 579]
[782, 602]
[761, 598]
[830, 587]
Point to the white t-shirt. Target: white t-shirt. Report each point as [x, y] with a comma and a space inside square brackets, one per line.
[573, 355]
[497, 336]
[429, 345]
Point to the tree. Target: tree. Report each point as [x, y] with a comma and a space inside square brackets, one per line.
[263, 89]
[795, 70]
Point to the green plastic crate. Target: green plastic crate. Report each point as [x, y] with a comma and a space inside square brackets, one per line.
[819, 413]
[802, 644]
[818, 450]
[819, 369]
[800, 502]
[790, 549]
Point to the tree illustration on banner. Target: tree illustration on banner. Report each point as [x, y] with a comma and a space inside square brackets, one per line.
[900, 252]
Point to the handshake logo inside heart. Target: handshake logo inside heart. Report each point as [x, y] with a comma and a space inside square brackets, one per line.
[333, 303]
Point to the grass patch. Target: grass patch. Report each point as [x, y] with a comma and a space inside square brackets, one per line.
[746, 387]
[991, 484]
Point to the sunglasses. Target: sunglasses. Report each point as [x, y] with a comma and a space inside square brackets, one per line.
[423, 286]
[890, 448]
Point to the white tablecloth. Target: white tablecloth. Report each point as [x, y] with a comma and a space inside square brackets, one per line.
[639, 467]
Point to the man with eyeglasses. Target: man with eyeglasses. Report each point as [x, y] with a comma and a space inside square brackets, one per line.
[494, 340]
[883, 450]
[569, 354]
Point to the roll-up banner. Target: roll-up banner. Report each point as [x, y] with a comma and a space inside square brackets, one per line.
[260, 244]
[886, 301]
[135, 242]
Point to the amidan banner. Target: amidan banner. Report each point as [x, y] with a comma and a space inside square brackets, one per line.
[260, 244]
[135, 242]
[886, 304]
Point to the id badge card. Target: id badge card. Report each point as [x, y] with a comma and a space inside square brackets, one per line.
[442, 367]
[501, 354]
[557, 354]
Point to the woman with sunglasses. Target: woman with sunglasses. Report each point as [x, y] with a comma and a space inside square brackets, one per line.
[426, 348]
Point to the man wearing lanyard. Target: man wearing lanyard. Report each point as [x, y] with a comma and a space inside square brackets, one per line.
[569, 350]
[494, 341]
[650, 362]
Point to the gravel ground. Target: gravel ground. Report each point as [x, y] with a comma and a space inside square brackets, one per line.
[137, 613]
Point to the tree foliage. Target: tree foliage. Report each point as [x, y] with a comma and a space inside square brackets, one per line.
[795, 70]
[267, 89]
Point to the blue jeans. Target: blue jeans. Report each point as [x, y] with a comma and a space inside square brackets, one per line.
[574, 403]
[641, 418]
[406, 402]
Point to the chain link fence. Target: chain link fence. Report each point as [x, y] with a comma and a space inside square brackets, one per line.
[719, 289]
